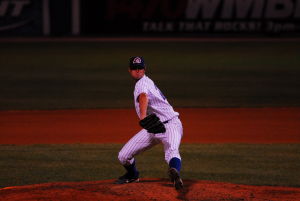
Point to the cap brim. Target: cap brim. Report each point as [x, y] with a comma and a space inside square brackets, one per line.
[136, 67]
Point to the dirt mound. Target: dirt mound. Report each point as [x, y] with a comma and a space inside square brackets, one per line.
[148, 189]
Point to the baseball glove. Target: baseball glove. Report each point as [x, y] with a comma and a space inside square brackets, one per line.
[152, 124]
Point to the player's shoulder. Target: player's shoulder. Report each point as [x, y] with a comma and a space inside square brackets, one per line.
[145, 81]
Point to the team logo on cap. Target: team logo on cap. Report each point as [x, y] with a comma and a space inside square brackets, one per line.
[137, 60]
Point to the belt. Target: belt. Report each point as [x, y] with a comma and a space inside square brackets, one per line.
[165, 122]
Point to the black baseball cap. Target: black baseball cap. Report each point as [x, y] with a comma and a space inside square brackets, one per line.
[136, 63]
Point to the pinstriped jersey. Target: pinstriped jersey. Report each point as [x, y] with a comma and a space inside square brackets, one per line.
[157, 102]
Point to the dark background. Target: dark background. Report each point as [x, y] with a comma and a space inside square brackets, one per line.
[127, 18]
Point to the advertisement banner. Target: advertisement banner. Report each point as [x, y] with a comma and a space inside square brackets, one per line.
[23, 18]
[185, 17]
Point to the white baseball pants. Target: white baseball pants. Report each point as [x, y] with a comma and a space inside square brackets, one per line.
[143, 141]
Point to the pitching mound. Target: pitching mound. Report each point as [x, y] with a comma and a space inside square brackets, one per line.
[148, 189]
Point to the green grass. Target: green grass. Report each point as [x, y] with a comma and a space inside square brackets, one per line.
[199, 74]
[264, 164]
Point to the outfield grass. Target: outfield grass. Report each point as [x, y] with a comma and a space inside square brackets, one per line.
[264, 164]
[191, 74]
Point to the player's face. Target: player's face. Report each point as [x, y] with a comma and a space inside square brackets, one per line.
[137, 74]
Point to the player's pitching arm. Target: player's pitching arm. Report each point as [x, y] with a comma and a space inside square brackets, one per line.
[143, 104]
[151, 122]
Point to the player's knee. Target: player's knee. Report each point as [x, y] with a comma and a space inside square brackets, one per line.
[125, 159]
[122, 158]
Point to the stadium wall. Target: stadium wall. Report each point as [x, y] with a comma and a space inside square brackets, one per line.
[149, 18]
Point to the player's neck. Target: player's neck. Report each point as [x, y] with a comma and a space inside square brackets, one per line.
[137, 79]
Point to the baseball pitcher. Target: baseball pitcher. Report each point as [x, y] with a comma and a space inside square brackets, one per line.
[159, 122]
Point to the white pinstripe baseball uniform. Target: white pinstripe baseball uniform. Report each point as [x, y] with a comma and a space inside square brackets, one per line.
[143, 140]
[150, 102]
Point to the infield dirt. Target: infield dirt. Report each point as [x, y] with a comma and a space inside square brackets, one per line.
[223, 125]
[148, 189]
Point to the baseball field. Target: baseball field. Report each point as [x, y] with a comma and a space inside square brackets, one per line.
[67, 109]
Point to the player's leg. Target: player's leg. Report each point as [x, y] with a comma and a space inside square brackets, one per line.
[171, 142]
[137, 144]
